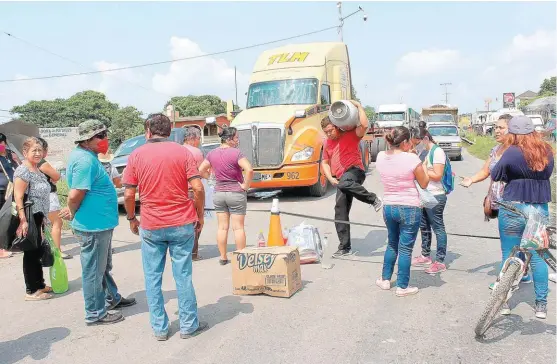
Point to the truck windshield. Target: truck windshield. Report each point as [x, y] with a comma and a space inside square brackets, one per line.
[436, 118]
[391, 116]
[284, 92]
[443, 131]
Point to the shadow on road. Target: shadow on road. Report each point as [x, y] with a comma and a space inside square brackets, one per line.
[36, 345]
[286, 195]
[504, 326]
[493, 272]
[368, 246]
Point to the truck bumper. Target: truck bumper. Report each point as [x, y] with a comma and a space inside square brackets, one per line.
[453, 152]
[299, 175]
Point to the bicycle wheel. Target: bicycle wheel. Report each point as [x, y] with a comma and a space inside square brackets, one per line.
[498, 297]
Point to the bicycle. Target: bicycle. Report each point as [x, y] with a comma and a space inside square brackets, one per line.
[538, 236]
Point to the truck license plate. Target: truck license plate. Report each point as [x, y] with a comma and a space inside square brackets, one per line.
[265, 177]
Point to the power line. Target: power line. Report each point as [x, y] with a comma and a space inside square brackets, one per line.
[80, 64]
[169, 61]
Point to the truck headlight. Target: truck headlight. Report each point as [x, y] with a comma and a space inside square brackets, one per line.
[457, 145]
[302, 155]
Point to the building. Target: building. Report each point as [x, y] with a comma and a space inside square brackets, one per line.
[525, 96]
[210, 132]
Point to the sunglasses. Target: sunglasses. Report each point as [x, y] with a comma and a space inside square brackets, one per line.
[101, 135]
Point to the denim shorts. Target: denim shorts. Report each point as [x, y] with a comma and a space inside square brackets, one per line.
[234, 203]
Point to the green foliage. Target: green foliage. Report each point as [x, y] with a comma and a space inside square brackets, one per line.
[198, 105]
[370, 112]
[548, 87]
[63, 190]
[126, 123]
[482, 145]
[354, 93]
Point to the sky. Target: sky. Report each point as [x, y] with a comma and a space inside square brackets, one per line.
[403, 52]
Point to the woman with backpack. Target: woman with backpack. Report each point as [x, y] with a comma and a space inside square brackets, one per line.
[432, 218]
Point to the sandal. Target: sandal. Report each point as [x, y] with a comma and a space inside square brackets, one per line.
[38, 296]
[223, 261]
[196, 257]
[65, 256]
[46, 289]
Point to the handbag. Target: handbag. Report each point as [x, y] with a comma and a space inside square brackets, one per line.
[47, 258]
[29, 241]
[9, 222]
[427, 199]
[489, 212]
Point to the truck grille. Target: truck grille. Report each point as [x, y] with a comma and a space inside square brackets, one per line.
[445, 145]
[268, 148]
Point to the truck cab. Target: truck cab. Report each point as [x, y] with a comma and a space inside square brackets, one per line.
[447, 136]
[291, 90]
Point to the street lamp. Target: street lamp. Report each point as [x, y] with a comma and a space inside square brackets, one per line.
[341, 19]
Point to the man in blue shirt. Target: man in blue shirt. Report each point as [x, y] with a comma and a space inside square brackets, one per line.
[93, 211]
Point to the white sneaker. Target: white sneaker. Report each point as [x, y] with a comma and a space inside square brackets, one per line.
[383, 284]
[408, 291]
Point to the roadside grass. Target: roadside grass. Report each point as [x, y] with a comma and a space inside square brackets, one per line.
[62, 188]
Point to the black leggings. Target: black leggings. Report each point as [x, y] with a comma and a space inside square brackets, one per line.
[32, 267]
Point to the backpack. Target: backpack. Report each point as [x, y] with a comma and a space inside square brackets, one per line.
[448, 175]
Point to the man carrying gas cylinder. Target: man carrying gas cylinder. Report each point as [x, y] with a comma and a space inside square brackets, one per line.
[343, 167]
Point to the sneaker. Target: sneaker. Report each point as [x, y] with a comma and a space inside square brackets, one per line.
[108, 319]
[435, 268]
[541, 310]
[202, 327]
[408, 291]
[125, 302]
[526, 279]
[162, 337]
[421, 260]
[377, 204]
[384, 284]
[342, 252]
[552, 277]
[505, 309]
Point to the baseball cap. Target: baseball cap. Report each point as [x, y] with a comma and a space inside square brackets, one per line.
[521, 125]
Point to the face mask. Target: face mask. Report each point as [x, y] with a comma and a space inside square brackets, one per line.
[2, 148]
[103, 145]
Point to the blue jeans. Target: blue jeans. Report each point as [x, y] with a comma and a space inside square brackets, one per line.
[433, 218]
[402, 223]
[113, 297]
[154, 244]
[96, 263]
[511, 227]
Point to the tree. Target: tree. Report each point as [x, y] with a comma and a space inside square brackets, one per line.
[68, 112]
[126, 123]
[370, 113]
[354, 94]
[198, 105]
[548, 87]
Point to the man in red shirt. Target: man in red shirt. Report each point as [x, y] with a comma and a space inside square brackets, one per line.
[162, 170]
[343, 167]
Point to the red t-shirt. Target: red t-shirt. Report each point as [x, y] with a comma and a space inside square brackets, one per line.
[343, 153]
[161, 170]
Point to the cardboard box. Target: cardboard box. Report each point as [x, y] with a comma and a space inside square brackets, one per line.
[274, 271]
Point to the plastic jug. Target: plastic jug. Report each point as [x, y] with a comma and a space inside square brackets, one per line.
[326, 260]
[344, 115]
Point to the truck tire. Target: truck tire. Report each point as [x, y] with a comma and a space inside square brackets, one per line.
[365, 154]
[381, 144]
[373, 150]
[320, 187]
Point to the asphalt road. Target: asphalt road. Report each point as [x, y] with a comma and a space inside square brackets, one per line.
[339, 316]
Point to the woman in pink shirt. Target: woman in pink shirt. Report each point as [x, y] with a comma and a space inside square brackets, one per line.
[402, 210]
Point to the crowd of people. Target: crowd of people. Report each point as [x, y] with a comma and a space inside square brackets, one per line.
[170, 180]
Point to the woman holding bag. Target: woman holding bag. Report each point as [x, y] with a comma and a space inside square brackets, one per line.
[29, 180]
[402, 210]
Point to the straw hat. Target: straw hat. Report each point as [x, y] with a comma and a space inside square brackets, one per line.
[106, 158]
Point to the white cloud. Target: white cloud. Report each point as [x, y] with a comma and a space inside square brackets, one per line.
[427, 62]
[541, 42]
[204, 75]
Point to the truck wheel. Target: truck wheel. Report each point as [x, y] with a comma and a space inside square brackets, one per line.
[320, 187]
[373, 150]
[365, 154]
[381, 145]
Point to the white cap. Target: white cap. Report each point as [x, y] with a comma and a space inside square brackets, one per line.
[275, 206]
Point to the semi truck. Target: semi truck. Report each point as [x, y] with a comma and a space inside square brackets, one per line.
[440, 114]
[291, 89]
[389, 116]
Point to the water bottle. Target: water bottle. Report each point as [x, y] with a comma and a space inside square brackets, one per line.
[344, 115]
[261, 240]
[327, 254]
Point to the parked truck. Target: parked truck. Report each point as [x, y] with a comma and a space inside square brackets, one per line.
[291, 90]
[440, 114]
[388, 117]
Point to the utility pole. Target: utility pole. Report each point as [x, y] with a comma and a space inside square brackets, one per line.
[341, 19]
[235, 85]
[446, 84]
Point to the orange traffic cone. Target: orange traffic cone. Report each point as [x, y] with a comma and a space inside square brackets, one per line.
[275, 229]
